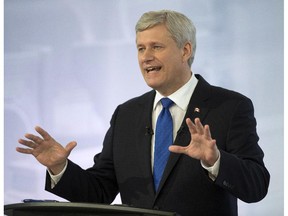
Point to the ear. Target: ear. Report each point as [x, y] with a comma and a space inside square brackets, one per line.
[187, 51]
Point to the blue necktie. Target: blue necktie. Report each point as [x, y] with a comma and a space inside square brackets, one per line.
[163, 139]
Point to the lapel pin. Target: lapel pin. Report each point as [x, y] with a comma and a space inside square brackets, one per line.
[197, 110]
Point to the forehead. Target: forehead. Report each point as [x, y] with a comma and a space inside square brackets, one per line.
[158, 33]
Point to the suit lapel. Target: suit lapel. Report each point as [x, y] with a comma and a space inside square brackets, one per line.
[145, 134]
[197, 108]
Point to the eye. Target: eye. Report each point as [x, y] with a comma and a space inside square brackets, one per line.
[140, 49]
[157, 47]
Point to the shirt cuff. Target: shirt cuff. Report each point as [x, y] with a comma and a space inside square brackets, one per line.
[213, 170]
[56, 178]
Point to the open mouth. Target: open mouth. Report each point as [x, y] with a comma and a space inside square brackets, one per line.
[153, 69]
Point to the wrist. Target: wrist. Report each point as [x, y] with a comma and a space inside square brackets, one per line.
[212, 160]
[55, 170]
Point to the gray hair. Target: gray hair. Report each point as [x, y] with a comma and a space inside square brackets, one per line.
[179, 26]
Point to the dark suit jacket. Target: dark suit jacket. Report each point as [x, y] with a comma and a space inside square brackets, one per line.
[124, 165]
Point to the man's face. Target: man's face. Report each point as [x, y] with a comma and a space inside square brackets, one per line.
[163, 65]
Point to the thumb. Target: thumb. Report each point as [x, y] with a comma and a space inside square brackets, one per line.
[70, 146]
[177, 149]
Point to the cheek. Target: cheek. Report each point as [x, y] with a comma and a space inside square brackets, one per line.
[140, 65]
[170, 58]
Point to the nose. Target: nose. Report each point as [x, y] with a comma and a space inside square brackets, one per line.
[147, 55]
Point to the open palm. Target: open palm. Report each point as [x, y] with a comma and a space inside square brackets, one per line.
[46, 150]
[201, 146]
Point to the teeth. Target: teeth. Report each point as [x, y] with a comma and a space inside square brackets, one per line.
[152, 69]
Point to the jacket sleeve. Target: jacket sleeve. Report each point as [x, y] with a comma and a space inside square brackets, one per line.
[96, 184]
[242, 171]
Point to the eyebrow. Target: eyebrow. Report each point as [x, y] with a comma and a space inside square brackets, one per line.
[150, 43]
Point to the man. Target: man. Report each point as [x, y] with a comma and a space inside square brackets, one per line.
[215, 157]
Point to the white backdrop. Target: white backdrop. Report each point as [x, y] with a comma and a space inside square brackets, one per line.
[69, 63]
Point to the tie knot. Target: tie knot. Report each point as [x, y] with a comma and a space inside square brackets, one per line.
[166, 102]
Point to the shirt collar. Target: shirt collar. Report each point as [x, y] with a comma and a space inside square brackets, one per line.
[182, 96]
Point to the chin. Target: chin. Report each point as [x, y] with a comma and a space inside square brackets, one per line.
[153, 86]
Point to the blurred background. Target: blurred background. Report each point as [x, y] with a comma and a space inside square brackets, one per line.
[69, 63]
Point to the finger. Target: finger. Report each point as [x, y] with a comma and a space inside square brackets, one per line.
[191, 126]
[213, 142]
[177, 149]
[34, 138]
[27, 143]
[70, 146]
[24, 150]
[199, 126]
[207, 132]
[43, 133]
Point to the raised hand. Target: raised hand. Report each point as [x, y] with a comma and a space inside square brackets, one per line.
[201, 146]
[46, 150]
